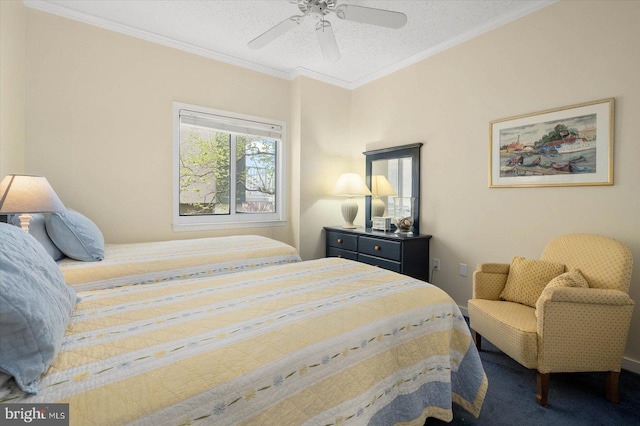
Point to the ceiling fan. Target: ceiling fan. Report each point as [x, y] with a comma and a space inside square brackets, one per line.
[317, 10]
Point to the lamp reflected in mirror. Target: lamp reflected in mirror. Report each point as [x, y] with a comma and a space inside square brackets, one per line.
[380, 187]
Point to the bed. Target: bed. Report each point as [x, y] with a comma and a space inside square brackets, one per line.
[87, 263]
[321, 342]
[144, 263]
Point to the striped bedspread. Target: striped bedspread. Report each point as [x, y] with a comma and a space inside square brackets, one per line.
[144, 263]
[323, 342]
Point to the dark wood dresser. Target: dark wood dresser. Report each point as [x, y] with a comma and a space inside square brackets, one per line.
[406, 254]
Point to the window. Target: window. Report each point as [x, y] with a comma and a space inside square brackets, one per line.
[228, 169]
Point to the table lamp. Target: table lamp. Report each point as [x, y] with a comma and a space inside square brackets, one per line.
[350, 185]
[24, 194]
[380, 187]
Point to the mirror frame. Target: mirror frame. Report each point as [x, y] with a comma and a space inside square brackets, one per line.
[411, 151]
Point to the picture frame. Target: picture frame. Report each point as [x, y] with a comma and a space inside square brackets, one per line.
[568, 146]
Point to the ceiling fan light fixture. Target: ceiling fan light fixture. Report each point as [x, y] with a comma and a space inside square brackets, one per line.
[318, 10]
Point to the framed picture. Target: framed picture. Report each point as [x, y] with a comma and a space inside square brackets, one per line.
[567, 146]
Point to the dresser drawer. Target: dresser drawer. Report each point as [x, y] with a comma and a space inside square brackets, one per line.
[382, 263]
[342, 240]
[380, 248]
[345, 254]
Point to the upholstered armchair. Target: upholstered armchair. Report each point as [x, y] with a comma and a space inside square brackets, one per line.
[567, 312]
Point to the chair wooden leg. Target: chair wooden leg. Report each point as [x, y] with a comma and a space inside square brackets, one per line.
[611, 387]
[543, 389]
[477, 338]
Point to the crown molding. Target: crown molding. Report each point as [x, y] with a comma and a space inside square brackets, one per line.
[300, 71]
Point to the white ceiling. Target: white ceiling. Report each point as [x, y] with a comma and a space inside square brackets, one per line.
[221, 29]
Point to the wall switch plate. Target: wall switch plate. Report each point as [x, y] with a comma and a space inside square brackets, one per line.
[463, 269]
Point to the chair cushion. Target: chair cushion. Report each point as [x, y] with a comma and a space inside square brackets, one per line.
[511, 327]
[527, 278]
[573, 278]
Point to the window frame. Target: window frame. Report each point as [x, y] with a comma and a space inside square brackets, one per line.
[233, 219]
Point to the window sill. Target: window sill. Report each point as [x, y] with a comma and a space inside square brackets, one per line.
[185, 227]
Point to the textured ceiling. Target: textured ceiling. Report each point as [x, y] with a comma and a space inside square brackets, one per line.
[221, 30]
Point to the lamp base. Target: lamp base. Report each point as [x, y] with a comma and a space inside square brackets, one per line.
[349, 213]
[377, 207]
[25, 219]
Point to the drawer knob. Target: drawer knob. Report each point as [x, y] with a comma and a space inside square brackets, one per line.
[339, 240]
[376, 248]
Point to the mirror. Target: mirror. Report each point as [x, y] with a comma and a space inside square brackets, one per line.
[390, 173]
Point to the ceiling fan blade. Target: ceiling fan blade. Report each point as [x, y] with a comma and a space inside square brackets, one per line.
[327, 41]
[275, 32]
[368, 15]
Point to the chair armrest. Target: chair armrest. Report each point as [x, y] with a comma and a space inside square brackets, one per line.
[489, 280]
[493, 268]
[595, 296]
[582, 329]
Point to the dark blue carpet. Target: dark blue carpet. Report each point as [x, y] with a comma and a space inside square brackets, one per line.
[574, 399]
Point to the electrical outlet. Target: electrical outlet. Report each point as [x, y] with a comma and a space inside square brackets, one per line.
[436, 264]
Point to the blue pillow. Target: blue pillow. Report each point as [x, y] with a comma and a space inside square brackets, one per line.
[76, 236]
[38, 230]
[35, 307]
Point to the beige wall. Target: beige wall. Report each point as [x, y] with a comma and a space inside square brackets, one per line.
[538, 62]
[325, 154]
[99, 121]
[12, 87]
[294, 161]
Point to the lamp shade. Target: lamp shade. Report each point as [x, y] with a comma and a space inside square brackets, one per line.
[28, 194]
[381, 187]
[350, 185]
